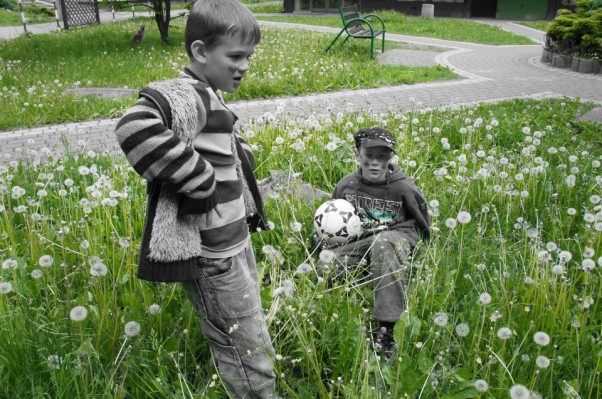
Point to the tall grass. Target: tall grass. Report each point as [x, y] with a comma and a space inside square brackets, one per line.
[35, 72]
[520, 266]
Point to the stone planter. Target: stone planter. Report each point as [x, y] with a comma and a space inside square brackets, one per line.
[561, 61]
[546, 55]
[585, 65]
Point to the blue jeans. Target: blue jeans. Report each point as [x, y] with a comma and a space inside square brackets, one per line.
[386, 254]
[227, 299]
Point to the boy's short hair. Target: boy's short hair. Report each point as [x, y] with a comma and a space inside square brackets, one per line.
[210, 20]
[374, 137]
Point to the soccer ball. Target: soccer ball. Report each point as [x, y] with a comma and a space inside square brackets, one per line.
[337, 218]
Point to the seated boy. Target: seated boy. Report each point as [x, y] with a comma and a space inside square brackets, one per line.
[202, 193]
[394, 216]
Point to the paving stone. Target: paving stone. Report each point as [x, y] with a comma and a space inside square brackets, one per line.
[595, 115]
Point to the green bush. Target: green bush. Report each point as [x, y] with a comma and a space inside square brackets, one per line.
[39, 10]
[8, 4]
[578, 33]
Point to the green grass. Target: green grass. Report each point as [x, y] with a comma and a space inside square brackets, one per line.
[539, 25]
[440, 28]
[35, 71]
[270, 7]
[528, 172]
[13, 18]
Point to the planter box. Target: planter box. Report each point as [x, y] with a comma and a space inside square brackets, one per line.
[561, 61]
[597, 67]
[585, 65]
[546, 56]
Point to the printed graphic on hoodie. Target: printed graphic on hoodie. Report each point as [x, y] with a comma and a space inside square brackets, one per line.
[384, 211]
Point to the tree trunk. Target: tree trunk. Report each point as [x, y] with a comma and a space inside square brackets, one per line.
[162, 16]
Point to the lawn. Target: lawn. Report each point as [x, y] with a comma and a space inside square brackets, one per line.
[439, 28]
[504, 299]
[13, 18]
[539, 25]
[35, 71]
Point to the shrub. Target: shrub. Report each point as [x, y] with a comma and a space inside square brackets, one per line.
[578, 33]
[8, 4]
[39, 10]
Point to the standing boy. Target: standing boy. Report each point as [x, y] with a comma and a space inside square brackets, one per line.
[202, 193]
[394, 216]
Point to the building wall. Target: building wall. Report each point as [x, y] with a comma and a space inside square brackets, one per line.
[522, 9]
[505, 9]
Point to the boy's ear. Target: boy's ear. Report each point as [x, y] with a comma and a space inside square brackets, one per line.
[198, 49]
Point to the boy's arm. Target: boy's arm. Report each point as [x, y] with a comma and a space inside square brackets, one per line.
[158, 155]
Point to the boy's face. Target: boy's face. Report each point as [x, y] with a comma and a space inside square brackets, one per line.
[374, 162]
[225, 64]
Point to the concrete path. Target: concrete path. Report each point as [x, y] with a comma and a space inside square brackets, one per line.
[490, 73]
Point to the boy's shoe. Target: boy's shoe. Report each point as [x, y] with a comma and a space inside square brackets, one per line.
[384, 343]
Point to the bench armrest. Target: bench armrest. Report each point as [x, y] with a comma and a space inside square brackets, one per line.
[366, 17]
[349, 21]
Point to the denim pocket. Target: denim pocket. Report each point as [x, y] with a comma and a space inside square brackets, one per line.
[214, 267]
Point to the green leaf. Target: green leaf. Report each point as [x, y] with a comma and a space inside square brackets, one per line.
[464, 390]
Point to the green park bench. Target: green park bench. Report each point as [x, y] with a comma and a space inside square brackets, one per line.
[359, 28]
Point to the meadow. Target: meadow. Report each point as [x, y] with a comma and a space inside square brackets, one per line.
[37, 72]
[504, 301]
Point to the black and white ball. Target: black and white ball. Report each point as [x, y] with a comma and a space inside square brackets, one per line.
[337, 218]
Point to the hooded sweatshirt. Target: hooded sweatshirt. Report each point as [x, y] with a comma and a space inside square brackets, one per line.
[396, 202]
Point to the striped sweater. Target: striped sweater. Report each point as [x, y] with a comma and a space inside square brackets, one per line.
[202, 192]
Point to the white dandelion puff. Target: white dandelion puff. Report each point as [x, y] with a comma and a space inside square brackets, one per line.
[451, 223]
[541, 338]
[519, 391]
[132, 328]
[154, 309]
[464, 217]
[9, 263]
[481, 385]
[542, 362]
[5, 287]
[504, 333]
[36, 274]
[45, 261]
[462, 329]
[78, 313]
[326, 256]
[485, 298]
[441, 319]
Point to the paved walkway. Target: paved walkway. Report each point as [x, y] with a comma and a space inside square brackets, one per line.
[490, 73]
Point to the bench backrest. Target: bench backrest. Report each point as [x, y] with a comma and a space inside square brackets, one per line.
[348, 13]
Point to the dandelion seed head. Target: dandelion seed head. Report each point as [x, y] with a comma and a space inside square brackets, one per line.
[78, 313]
[36, 274]
[441, 319]
[519, 392]
[541, 338]
[451, 223]
[588, 265]
[485, 299]
[462, 330]
[542, 361]
[154, 309]
[131, 329]
[481, 385]
[9, 264]
[5, 287]
[45, 261]
[504, 333]
[464, 217]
